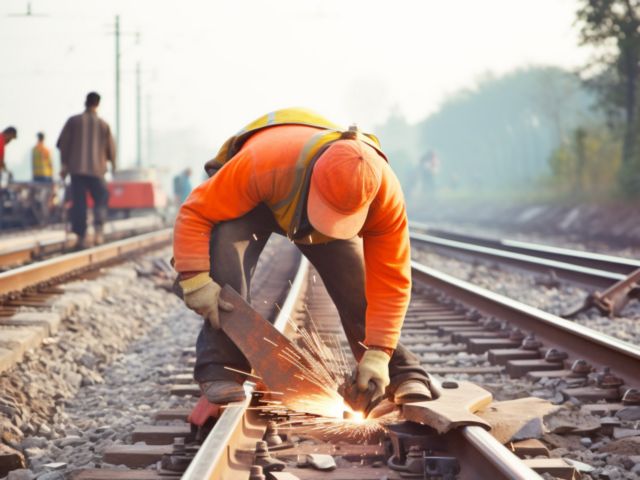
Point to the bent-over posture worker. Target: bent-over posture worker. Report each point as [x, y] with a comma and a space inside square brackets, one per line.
[333, 193]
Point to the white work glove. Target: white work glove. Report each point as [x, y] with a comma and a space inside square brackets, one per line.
[202, 295]
[373, 367]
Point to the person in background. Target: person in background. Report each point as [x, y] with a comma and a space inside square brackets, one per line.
[41, 161]
[6, 136]
[86, 145]
[182, 186]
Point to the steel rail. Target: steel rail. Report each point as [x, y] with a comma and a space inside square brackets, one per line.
[22, 249]
[489, 454]
[490, 459]
[215, 456]
[46, 271]
[578, 341]
[584, 276]
[609, 263]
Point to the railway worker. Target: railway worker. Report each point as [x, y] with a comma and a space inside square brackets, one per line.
[86, 145]
[331, 192]
[7, 135]
[182, 186]
[41, 164]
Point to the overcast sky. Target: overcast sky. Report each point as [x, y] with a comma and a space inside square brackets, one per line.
[211, 66]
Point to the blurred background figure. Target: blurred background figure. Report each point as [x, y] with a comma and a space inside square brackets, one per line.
[86, 145]
[182, 186]
[429, 168]
[41, 164]
[6, 136]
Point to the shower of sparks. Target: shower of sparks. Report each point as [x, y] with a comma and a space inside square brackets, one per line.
[322, 366]
[242, 372]
[269, 341]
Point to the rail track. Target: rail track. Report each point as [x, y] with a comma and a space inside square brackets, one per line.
[585, 269]
[460, 332]
[20, 284]
[26, 247]
[33, 296]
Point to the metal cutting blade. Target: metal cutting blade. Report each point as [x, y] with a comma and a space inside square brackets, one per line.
[281, 365]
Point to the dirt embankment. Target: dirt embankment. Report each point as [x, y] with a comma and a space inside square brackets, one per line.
[617, 225]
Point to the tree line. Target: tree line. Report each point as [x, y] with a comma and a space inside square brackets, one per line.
[541, 129]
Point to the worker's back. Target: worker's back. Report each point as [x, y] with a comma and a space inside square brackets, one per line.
[86, 145]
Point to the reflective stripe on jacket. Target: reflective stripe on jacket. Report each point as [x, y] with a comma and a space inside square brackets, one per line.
[288, 212]
[265, 170]
[41, 161]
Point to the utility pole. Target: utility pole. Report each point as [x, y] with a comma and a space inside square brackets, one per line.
[138, 118]
[149, 149]
[117, 35]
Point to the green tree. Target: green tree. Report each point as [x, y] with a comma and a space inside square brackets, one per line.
[587, 163]
[613, 26]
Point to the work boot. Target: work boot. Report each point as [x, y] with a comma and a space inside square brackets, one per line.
[223, 391]
[411, 391]
[98, 237]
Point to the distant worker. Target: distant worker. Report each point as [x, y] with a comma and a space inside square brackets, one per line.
[6, 136]
[182, 186]
[331, 192]
[429, 169]
[86, 145]
[41, 161]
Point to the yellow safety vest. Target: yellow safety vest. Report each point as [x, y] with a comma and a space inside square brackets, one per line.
[41, 161]
[291, 210]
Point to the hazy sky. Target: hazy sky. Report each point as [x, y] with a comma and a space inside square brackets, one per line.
[211, 66]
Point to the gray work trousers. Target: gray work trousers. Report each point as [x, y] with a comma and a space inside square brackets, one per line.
[235, 248]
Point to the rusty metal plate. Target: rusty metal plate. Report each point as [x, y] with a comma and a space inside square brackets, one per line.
[282, 367]
[454, 407]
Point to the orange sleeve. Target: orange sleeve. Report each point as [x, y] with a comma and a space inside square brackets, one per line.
[387, 264]
[229, 194]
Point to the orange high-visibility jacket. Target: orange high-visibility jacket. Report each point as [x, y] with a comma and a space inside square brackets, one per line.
[264, 171]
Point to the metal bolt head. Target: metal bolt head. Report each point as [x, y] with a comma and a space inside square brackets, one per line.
[271, 435]
[531, 343]
[555, 355]
[581, 367]
[631, 397]
[256, 473]
[606, 379]
[262, 449]
[492, 324]
[449, 384]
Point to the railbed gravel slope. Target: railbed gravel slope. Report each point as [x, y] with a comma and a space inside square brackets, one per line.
[536, 290]
[105, 371]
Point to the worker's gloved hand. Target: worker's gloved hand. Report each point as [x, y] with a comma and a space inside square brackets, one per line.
[202, 295]
[373, 367]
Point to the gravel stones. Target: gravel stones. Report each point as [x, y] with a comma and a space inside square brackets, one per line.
[42, 412]
[629, 414]
[588, 439]
[21, 474]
